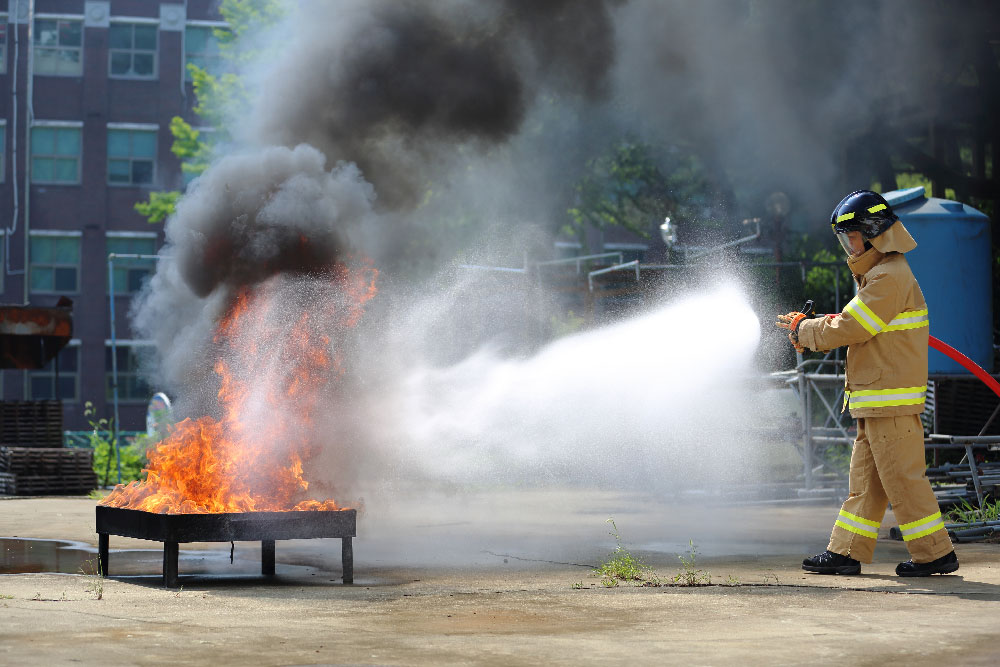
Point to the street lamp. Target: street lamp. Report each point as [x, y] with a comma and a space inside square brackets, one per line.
[668, 233]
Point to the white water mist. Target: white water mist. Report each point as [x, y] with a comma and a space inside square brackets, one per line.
[659, 401]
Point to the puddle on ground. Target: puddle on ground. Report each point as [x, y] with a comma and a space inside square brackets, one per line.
[24, 555]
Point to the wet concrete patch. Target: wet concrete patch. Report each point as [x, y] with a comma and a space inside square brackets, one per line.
[27, 555]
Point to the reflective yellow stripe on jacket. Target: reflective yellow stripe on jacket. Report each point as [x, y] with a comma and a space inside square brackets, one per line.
[881, 398]
[873, 324]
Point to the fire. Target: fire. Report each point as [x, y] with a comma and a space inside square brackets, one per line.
[272, 370]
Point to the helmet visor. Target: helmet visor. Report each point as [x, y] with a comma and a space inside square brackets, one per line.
[853, 242]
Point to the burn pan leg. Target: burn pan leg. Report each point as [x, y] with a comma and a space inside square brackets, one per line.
[103, 541]
[347, 559]
[170, 555]
[267, 558]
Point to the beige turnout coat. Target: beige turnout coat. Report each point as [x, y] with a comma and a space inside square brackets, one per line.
[885, 328]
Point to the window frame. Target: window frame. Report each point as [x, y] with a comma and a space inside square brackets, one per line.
[133, 22]
[5, 28]
[56, 125]
[74, 344]
[138, 263]
[75, 18]
[132, 128]
[211, 26]
[131, 345]
[3, 150]
[55, 233]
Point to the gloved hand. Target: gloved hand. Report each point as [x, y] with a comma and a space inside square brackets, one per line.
[791, 321]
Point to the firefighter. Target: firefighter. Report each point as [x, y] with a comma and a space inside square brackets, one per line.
[885, 328]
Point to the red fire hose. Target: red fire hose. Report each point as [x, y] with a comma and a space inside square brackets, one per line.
[969, 364]
[943, 348]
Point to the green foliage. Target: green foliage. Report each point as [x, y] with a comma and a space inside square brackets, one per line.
[244, 17]
[102, 441]
[632, 188]
[217, 95]
[690, 575]
[564, 326]
[91, 569]
[821, 282]
[624, 567]
[195, 153]
[837, 458]
[968, 513]
[159, 207]
[906, 180]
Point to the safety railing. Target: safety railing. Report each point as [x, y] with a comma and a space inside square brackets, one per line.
[627, 266]
[825, 426]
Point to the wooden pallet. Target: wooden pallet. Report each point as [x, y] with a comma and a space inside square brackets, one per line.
[31, 423]
[49, 461]
[37, 485]
[7, 483]
[33, 471]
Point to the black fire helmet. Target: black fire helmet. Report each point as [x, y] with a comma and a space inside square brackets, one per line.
[861, 211]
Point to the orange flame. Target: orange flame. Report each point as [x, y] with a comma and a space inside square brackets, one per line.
[272, 370]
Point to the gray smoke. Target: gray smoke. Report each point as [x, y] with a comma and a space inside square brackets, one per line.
[394, 85]
[397, 89]
[389, 128]
[249, 217]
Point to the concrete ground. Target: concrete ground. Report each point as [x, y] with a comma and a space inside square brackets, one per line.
[513, 586]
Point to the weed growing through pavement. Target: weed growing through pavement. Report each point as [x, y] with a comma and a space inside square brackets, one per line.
[768, 575]
[690, 575]
[733, 581]
[6, 597]
[95, 582]
[624, 567]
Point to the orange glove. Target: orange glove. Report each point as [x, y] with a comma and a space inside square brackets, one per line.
[791, 322]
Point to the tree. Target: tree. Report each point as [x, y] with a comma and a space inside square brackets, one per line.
[633, 188]
[216, 92]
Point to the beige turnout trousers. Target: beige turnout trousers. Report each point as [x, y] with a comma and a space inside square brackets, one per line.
[887, 466]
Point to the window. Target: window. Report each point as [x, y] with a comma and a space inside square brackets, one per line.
[55, 154]
[207, 136]
[131, 386]
[42, 384]
[3, 150]
[201, 48]
[55, 263]
[132, 50]
[58, 47]
[131, 156]
[131, 274]
[3, 43]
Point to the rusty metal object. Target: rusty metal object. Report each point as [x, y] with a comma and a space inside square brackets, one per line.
[30, 336]
[172, 529]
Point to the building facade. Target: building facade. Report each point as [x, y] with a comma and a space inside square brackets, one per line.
[89, 90]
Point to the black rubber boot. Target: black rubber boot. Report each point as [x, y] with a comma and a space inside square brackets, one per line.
[943, 565]
[831, 563]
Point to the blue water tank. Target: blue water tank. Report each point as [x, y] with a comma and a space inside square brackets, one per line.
[952, 263]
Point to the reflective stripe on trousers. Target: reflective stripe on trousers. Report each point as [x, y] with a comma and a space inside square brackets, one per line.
[857, 524]
[921, 527]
